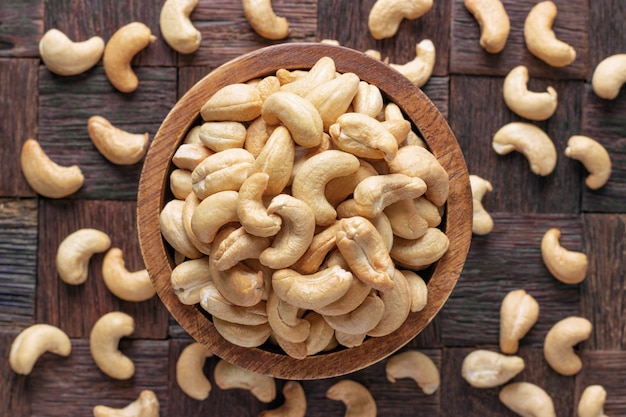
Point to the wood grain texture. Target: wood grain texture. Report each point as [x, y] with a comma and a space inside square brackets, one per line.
[21, 27]
[437, 89]
[15, 398]
[606, 368]
[607, 31]
[58, 302]
[467, 57]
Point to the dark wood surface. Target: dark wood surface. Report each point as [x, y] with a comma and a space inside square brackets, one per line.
[466, 87]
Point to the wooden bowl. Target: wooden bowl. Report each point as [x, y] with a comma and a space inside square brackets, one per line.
[153, 188]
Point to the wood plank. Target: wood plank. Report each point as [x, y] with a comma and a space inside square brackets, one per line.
[570, 25]
[21, 27]
[608, 15]
[58, 302]
[606, 368]
[13, 390]
[438, 91]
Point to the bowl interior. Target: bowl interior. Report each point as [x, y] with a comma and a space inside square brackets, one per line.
[153, 188]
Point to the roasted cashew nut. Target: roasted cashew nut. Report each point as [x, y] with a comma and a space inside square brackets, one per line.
[386, 15]
[486, 369]
[297, 114]
[264, 21]
[119, 51]
[558, 347]
[130, 286]
[229, 376]
[541, 40]
[75, 251]
[189, 278]
[62, 56]
[567, 266]
[34, 341]
[45, 176]
[103, 343]
[415, 365]
[494, 23]
[189, 371]
[526, 399]
[591, 403]
[482, 223]
[593, 156]
[519, 312]
[176, 26]
[116, 145]
[294, 405]
[146, 405]
[528, 104]
[215, 304]
[357, 399]
[531, 141]
[609, 76]
[420, 68]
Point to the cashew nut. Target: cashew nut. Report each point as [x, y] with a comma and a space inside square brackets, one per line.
[212, 213]
[357, 399]
[176, 26]
[294, 405]
[360, 320]
[380, 222]
[118, 146]
[119, 51]
[284, 318]
[190, 371]
[609, 76]
[558, 347]
[333, 97]
[264, 21]
[519, 312]
[363, 136]
[405, 219]
[62, 56]
[219, 136]
[296, 350]
[385, 16]
[238, 246]
[397, 303]
[257, 134]
[368, 100]
[242, 334]
[251, 210]
[418, 290]
[188, 278]
[180, 183]
[146, 405]
[215, 304]
[373, 194]
[276, 160]
[129, 286]
[229, 376]
[172, 228]
[430, 212]
[526, 399]
[593, 156]
[235, 102]
[353, 298]
[314, 256]
[267, 86]
[45, 176]
[191, 203]
[103, 343]
[297, 114]
[591, 403]
[541, 40]
[486, 369]
[419, 70]
[193, 136]
[225, 170]
[415, 365]
[75, 251]
[304, 82]
[567, 266]
[528, 104]
[531, 141]
[320, 333]
[482, 223]
[349, 340]
[422, 252]
[494, 23]
[34, 341]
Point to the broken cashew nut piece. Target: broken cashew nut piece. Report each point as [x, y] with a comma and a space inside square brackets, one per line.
[130, 286]
[386, 15]
[34, 341]
[75, 251]
[45, 176]
[264, 21]
[528, 400]
[146, 405]
[569, 267]
[519, 312]
[493, 21]
[103, 343]
[529, 140]
[528, 104]
[62, 56]
[177, 28]
[541, 40]
[591, 403]
[294, 405]
[609, 76]
[357, 399]
[118, 146]
[189, 371]
[229, 376]
[558, 347]
[419, 70]
[593, 156]
[482, 222]
[487, 369]
[417, 366]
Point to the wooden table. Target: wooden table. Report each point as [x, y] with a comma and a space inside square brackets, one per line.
[467, 88]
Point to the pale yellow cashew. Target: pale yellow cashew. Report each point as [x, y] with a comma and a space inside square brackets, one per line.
[176, 26]
[146, 405]
[529, 140]
[528, 104]
[284, 319]
[349, 340]
[191, 203]
[116, 145]
[373, 194]
[251, 210]
[229, 376]
[235, 102]
[188, 278]
[380, 222]
[193, 136]
[276, 159]
[190, 375]
[418, 290]
[415, 365]
[519, 312]
[297, 114]
[527, 400]
[609, 76]
[368, 100]
[482, 223]
[267, 86]
[172, 228]
[119, 51]
[294, 405]
[62, 56]
[360, 320]
[386, 15]
[363, 136]
[264, 21]
[215, 304]
[558, 347]
[333, 97]
[405, 219]
[225, 170]
[320, 333]
[419, 70]
[241, 334]
[189, 155]
[494, 23]
[34, 341]
[103, 343]
[219, 136]
[357, 399]
[397, 303]
[239, 245]
[541, 40]
[340, 188]
[304, 82]
[569, 267]
[75, 252]
[296, 350]
[486, 369]
[353, 298]
[322, 243]
[45, 176]
[130, 286]
[257, 134]
[180, 183]
[429, 211]
[214, 212]
[422, 252]
[593, 156]
[591, 403]
[400, 129]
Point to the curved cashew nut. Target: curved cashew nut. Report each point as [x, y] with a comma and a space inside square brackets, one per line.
[75, 251]
[189, 371]
[591, 403]
[284, 319]
[222, 171]
[297, 114]
[558, 347]
[422, 252]
[215, 304]
[405, 219]
[609, 76]
[129, 286]
[528, 104]
[264, 21]
[242, 334]
[294, 350]
[527, 399]
[397, 303]
[363, 136]
[531, 141]
[494, 23]
[416, 365]
[119, 51]
[116, 145]
[593, 156]
[171, 224]
[235, 102]
[189, 207]
[354, 297]
[567, 266]
[62, 56]
[219, 136]
[430, 212]
[485, 369]
[385, 16]
[357, 399]
[188, 278]
[519, 312]
[257, 134]
[333, 97]
[418, 290]
[360, 320]
[368, 100]
[228, 376]
[176, 26]
[419, 70]
[349, 340]
[251, 211]
[267, 86]
[380, 222]
[214, 212]
[45, 176]
[180, 183]
[276, 160]
[103, 343]
[304, 82]
[541, 40]
[373, 194]
[294, 405]
[314, 256]
[238, 246]
[34, 341]
[482, 223]
[146, 405]
[320, 333]
[340, 188]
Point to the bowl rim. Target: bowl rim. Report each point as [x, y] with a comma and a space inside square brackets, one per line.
[424, 116]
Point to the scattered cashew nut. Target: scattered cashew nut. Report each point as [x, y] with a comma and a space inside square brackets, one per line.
[528, 104]
[118, 146]
[486, 369]
[541, 40]
[482, 222]
[75, 251]
[493, 21]
[357, 399]
[386, 15]
[62, 56]
[146, 405]
[103, 343]
[419, 70]
[264, 21]
[591, 403]
[527, 400]
[294, 405]
[593, 156]
[176, 26]
[567, 266]
[126, 285]
[416, 365]
[34, 341]
[189, 371]
[228, 376]
[531, 141]
[558, 347]
[519, 312]
[609, 76]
